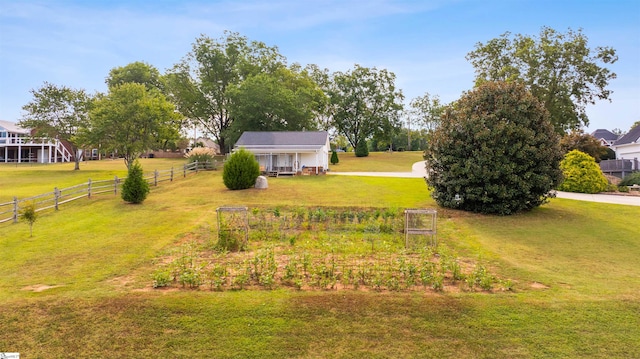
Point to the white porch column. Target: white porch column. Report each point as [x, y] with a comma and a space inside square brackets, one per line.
[19, 153]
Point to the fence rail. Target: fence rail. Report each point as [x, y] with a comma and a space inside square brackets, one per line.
[621, 167]
[9, 211]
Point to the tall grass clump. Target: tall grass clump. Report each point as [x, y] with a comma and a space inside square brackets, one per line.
[630, 180]
[201, 155]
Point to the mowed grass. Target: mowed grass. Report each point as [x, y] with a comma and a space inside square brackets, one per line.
[377, 162]
[574, 265]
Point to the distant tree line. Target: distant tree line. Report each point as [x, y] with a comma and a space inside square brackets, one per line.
[225, 86]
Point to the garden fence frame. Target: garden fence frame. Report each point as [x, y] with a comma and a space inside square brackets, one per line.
[10, 211]
[421, 222]
[226, 227]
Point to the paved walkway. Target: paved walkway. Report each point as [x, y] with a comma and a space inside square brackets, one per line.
[418, 171]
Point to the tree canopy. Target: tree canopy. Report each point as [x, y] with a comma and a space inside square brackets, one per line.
[365, 102]
[130, 120]
[425, 111]
[280, 101]
[58, 112]
[494, 152]
[558, 68]
[198, 84]
[136, 72]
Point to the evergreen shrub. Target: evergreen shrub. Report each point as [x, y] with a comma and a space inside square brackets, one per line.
[135, 188]
[241, 170]
[334, 158]
[362, 149]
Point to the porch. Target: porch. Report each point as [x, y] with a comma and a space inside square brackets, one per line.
[289, 164]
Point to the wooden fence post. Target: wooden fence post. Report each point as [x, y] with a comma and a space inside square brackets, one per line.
[197, 165]
[155, 178]
[15, 209]
[172, 174]
[115, 185]
[89, 188]
[184, 171]
[56, 197]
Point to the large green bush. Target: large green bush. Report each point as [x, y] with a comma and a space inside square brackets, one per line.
[135, 188]
[495, 151]
[581, 174]
[241, 170]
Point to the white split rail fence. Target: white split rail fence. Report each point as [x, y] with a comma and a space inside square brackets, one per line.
[9, 211]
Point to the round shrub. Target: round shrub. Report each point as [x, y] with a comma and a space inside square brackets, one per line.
[494, 152]
[362, 149]
[581, 174]
[135, 188]
[241, 170]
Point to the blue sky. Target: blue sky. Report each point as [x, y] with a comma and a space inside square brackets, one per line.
[76, 43]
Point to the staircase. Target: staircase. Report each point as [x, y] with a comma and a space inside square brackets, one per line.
[62, 153]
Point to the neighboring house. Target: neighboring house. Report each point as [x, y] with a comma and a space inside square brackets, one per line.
[606, 137]
[627, 149]
[17, 145]
[208, 143]
[288, 152]
[628, 146]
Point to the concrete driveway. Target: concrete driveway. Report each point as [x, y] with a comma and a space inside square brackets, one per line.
[418, 171]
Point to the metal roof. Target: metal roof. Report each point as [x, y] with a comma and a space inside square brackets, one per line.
[283, 139]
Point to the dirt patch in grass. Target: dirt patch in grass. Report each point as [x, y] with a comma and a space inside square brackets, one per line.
[536, 285]
[37, 288]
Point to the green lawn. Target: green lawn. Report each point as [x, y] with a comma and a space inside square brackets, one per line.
[377, 162]
[574, 265]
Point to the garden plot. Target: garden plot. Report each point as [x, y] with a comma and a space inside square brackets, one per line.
[318, 249]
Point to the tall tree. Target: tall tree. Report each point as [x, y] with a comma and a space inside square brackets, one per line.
[130, 120]
[149, 76]
[281, 101]
[366, 102]
[136, 72]
[58, 112]
[198, 84]
[324, 114]
[425, 111]
[559, 69]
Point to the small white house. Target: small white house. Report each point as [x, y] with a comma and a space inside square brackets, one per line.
[288, 152]
[17, 145]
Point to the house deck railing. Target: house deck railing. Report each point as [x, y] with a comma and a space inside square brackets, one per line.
[619, 168]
